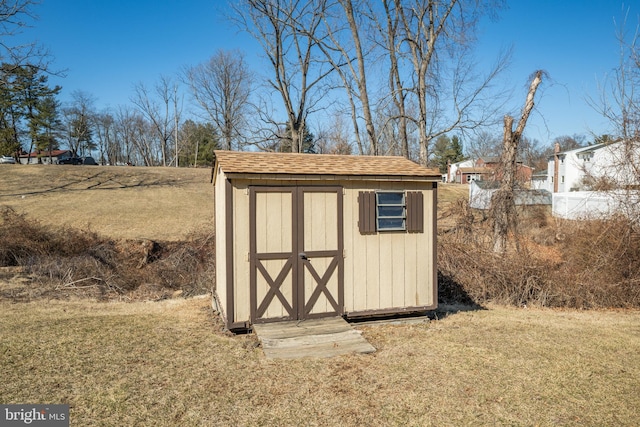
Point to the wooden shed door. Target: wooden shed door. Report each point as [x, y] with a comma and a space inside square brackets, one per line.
[296, 252]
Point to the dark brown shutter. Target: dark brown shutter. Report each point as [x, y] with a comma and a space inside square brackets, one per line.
[415, 212]
[367, 212]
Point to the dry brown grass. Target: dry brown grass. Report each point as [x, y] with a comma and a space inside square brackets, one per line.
[449, 197]
[169, 363]
[549, 262]
[116, 201]
[62, 263]
[105, 232]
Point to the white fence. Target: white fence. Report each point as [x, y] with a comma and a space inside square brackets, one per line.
[593, 204]
[480, 195]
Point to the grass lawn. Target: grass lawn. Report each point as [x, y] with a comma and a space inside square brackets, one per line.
[169, 363]
[116, 201]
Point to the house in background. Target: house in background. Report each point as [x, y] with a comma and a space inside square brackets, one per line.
[597, 180]
[45, 157]
[468, 175]
[452, 169]
[587, 168]
[539, 180]
[486, 169]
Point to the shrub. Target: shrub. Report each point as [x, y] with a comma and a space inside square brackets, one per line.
[577, 264]
[62, 261]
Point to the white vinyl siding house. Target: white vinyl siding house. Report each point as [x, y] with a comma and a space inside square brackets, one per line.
[579, 173]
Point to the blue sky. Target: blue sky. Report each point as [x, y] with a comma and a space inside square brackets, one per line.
[108, 46]
[575, 43]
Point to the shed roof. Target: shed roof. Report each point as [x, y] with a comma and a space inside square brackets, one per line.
[235, 162]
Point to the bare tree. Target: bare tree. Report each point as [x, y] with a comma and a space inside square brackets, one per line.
[79, 119]
[104, 127]
[398, 92]
[135, 139]
[348, 58]
[335, 138]
[157, 110]
[221, 88]
[122, 151]
[144, 140]
[450, 95]
[502, 202]
[484, 144]
[288, 31]
[15, 16]
[619, 104]
[620, 99]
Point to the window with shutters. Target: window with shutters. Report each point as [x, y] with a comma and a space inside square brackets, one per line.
[381, 211]
[391, 211]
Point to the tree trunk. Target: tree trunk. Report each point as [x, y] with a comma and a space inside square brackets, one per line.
[502, 202]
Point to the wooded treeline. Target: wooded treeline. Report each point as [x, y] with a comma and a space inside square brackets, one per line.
[342, 76]
[33, 120]
[399, 72]
[395, 77]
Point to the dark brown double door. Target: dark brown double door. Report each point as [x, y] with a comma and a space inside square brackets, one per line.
[296, 252]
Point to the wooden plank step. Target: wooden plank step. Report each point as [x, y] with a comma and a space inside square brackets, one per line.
[311, 338]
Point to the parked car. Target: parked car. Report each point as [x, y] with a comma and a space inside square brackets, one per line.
[7, 160]
[89, 161]
[70, 161]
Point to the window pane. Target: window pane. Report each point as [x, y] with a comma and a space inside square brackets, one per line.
[390, 211]
[389, 223]
[390, 198]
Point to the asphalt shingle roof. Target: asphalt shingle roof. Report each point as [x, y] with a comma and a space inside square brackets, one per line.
[319, 164]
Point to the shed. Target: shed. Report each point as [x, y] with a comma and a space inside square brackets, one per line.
[302, 236]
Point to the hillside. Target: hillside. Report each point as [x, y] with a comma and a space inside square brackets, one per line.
[117, 201]
[128, 202]
[109, 232]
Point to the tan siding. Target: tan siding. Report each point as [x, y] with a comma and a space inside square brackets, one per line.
[355, 283]
[388, 261]
[398, 251]
[382, 271]
[241, 252]
[387, 270]
[221, 252]
[411, 261]
[372, 273]
[350, 224]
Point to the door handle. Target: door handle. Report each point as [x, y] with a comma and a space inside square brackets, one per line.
[303, 256]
